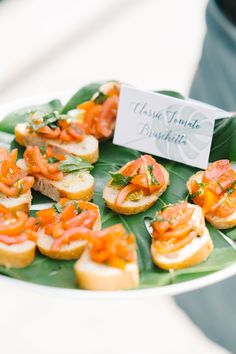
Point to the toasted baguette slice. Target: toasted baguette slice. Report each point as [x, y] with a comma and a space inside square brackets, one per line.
[21, 203]
[66, 252]
[217, 221]
[87, 149]
[93, 276]
[193, 253]
[133, 207]
[17, 256]
[77, 185]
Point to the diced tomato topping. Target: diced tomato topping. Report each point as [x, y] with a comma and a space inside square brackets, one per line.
[113, 246]
[16, 228]
[173, 227]
[13, 180]
[218, 183]
[67, 219]
[38, 163]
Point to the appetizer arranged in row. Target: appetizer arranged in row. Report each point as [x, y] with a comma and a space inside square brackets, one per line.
[215, 191]
[66, 231]
[56, 175]
[136, 186]
[15, 184]
[180, 238]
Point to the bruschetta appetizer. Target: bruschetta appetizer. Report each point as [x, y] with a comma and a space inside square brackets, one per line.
[65, 134]
[215, 191]
[17, 238]
[180, 238]
[136, 186]
[109, 262]
[58, 176]
[64, 228]
[98, 115]
[15, 185]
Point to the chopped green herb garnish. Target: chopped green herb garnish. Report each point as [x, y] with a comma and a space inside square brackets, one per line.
[43, 149]
[57, 207]
[20, 186]
[201, 184]
[194, 195]
[154, 181]
[119, 179]
[230, 190]
[77, 207]
[53, 160]
[74, 164]
[38, 120]
[100, 98]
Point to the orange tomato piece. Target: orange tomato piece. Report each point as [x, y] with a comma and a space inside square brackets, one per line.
[86, 105]
[15, 227]
[132, 167]
[49, 132]
[74, 234]
[166, 247]
[124, 192]
[8, 240]
[210, 199]
[215, 170]
[46, 216]
[140, 180]
[68, 212]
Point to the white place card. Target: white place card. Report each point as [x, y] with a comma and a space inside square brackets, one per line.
[179, 130]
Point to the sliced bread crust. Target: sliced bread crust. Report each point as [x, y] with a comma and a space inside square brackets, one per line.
[21, 203]
[133, 207]
[86, 149]
[77, 185]
[18, 255]
[93, 276]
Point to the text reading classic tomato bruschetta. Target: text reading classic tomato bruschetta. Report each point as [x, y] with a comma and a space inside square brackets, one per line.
[109, 262]
[64, 228]
[15, 185]
[98, 115]
[65, 134]
[136, 186]
[17, 238]
[58, 176]
[180, 238]
[215, 191]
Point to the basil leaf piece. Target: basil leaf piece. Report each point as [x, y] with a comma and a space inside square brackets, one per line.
[230, 190]
[57, 207]
[154, 181]
[74, 164]
[43, 149]
[119, 179]
[49, 119]
[53, 159]
[101, 97]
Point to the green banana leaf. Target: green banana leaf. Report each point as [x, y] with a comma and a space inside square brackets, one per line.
[46, 271]
[82, 95]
